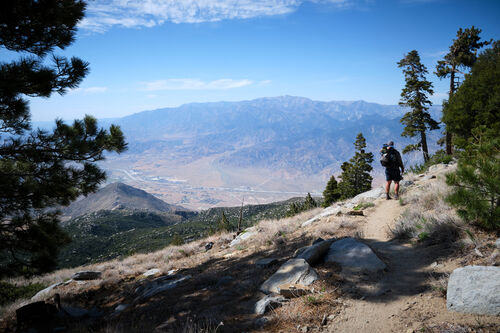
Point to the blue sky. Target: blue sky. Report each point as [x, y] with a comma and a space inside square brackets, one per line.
[148, 54]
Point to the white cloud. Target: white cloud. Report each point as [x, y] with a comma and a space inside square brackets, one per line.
[89, 90]
[103, 14]
[194, 84]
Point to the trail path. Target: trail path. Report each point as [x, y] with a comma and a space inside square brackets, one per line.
[384, 300]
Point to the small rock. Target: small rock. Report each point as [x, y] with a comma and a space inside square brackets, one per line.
[151, 272]
[209, 245]
[121, 307]
[261, 321]
[224, 281]
[304, 329]
[497, 243]
[324, 320]
[172, 272]
[86, 275]
[331, 317]
[477, 252]
[290, 290]
[355, 213]
[429, 177]
[266, 262]
[268, 302]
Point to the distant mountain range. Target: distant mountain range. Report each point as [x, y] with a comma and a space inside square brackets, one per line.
[269, 149]
[292, 133]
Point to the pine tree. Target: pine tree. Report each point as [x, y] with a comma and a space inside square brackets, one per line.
[476, 183]
[475, 103]
[40, 170]
[309, 202]
[414, 95]
[472, 116]
[224, 224]
[355, 177]
[461, 56]
[331, 193]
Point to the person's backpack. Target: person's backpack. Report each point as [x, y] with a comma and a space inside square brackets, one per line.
[389, 159]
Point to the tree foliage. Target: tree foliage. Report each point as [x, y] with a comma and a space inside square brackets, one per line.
[41, 170]
[309, 202]
[331, 193]
[355, 177]
[223, 224]
[477, 101]
[472, 115]
[414, 95]
[461, 56]
[476, 183]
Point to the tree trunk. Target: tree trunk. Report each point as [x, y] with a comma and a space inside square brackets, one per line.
[452, 90]
[425, 150]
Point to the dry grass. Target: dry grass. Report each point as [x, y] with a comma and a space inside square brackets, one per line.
[428, 217]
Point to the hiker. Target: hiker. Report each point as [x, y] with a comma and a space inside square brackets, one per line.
[391, 160]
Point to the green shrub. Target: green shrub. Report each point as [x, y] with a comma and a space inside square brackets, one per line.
[10, 292]
[439, 157]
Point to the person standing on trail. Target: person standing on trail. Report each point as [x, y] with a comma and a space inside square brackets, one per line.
[391, 160]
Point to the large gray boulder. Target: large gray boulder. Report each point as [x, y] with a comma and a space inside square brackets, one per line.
[354, 255]
[474, 289]
[315, 253]
[296, 271]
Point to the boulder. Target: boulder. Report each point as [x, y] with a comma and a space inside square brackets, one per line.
[268, 302]
[150, 272]
[368, 195]
[354, 255]
[296, 271]
[475, 290]
[315, 253]
[157, 286]
[406, 183]
[86, 275]
[332, 210]
[42, 294]
[247, 233]
[266, 262]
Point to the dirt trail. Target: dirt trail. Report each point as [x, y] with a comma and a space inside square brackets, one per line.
[384, 299]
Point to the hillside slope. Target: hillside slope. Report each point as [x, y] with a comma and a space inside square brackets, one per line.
[119, 196]
[201, 288]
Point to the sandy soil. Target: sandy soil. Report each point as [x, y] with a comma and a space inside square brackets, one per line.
[400, 300]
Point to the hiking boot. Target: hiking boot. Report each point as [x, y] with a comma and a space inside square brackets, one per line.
[396, 197]
[387, 196]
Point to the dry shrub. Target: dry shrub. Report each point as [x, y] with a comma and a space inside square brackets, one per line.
[428, 228]
[305, 310]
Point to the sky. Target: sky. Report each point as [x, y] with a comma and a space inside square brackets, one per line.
[149, 54]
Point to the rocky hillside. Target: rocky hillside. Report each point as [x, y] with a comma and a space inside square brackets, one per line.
[364, 265]
[118, 196]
